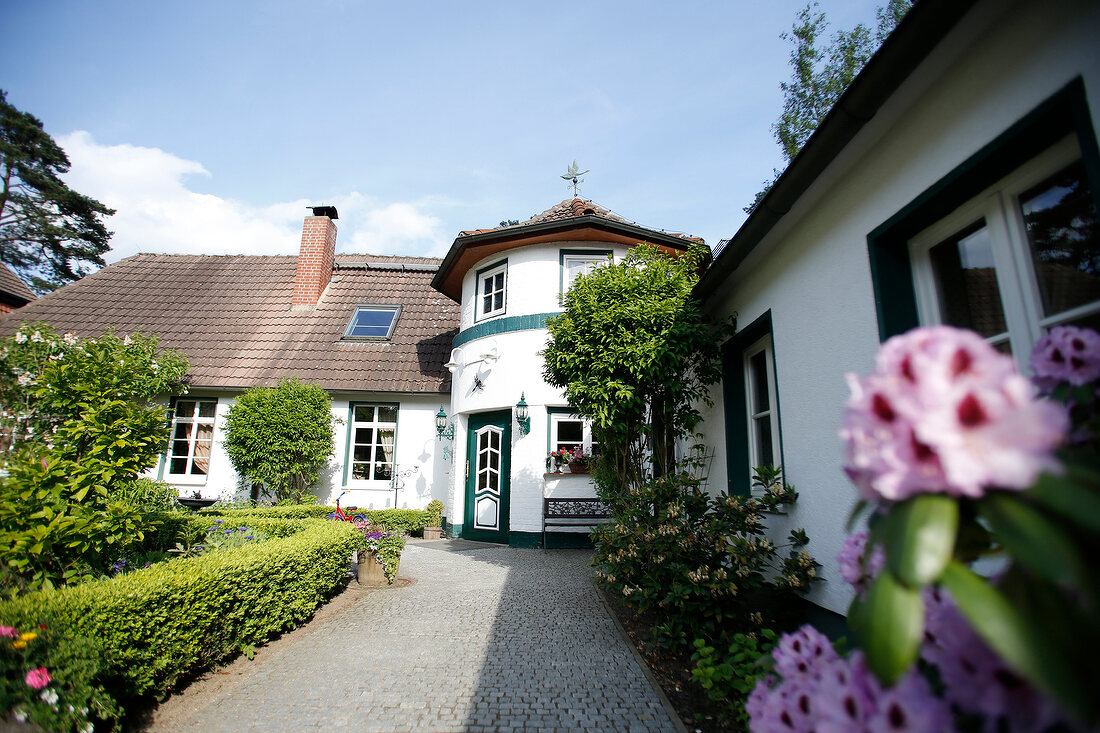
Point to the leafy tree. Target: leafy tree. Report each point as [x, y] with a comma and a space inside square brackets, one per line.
[635, 356]
[48, 232]
[819, 76]
[509, 222]
[82, 425]
[281, 436]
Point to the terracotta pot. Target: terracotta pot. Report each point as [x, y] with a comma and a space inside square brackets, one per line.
[370, 571]
[433, 533]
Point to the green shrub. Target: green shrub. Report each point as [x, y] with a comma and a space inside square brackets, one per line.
[702, 564]
[728, 676]
[407, 521]
[83, 424]
[176, 618]
[148, 495]
[281, 437]
[435, 513]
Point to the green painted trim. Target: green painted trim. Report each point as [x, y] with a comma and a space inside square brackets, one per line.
[1061, 114]
[347, 441]
[568, 541]
[563, 253]
[550, 411]
[477, 286]
[735, 407]
[454, 531]
[525, 539]
[501, 419]
[506, 324]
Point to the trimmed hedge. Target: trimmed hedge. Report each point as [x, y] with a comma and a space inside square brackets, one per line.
[395, 520]
[156, 625]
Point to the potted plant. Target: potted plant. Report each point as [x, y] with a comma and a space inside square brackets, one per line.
[434, 530]
[379, 555]
[578, 460]
[557, 460]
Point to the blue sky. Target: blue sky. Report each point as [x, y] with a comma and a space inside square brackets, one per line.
[211, 125]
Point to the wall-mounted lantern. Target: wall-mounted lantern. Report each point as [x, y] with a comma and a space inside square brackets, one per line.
[523, 416]
[443, 427]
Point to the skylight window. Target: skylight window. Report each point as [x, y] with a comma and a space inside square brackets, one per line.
[373, 322]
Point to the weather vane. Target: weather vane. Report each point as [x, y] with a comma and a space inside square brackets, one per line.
[573, 175]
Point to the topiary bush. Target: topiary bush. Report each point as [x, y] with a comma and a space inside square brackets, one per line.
[156, 625]
[281, 437]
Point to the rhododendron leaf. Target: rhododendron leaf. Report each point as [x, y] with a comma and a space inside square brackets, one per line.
[1033, 539]
[1015, 637]
[893, 627]
[1076, 495]
[860, 507]
[920, 538]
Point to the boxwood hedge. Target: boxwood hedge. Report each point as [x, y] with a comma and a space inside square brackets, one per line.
[160, 624]
[395, 520]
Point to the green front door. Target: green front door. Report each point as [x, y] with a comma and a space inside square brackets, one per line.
[488, 461]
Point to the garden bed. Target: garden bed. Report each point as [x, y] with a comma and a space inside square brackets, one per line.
[672, 670]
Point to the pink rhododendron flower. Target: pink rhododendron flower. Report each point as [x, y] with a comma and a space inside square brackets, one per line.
[8, 632]
[944, 412]
[1067, 354]
[38, 678]
[856, 566]
[825, 693]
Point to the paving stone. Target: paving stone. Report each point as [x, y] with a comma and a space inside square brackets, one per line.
[489, 638]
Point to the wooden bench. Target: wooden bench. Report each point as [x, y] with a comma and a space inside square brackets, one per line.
[572, 513]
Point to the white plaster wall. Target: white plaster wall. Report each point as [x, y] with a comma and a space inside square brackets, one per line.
[812, 270]
[417, 448]
[517, 372]
[534, 278]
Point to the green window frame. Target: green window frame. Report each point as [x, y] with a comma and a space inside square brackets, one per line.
[1064, 113]
[737, 410]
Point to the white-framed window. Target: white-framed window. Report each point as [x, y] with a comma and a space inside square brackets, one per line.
[1017, 259]
[192, 439]
[575, 263]
[372, 322]
[372, 441]
[760, 399]
[570, 431]
[492, 284]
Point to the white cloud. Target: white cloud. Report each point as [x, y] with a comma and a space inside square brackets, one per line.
[157, 212]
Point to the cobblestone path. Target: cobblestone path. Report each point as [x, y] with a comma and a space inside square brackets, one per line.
[489, 638]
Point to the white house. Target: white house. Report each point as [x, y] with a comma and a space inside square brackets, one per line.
[508, 281]
[369, 329]
[956, 182]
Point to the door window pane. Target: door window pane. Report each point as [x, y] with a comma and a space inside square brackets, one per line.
[966, 282]
[1065, 244]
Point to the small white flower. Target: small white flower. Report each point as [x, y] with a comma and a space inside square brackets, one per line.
[69, 338]
[3, 353]
[20, 338]
[36, 337]
[127, 341]
[25, 380]
[71, 708]
[49, 696]
[154, 365]
[88, 727]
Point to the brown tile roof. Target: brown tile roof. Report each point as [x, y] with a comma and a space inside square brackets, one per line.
[567, 209]
[12, 289]
[231, 316]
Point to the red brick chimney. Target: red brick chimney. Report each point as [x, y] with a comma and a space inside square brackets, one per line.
[316, 256]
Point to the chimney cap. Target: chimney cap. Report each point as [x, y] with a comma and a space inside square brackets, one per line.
[329, 211]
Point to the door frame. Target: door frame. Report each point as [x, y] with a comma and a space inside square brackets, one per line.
[503, 420]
